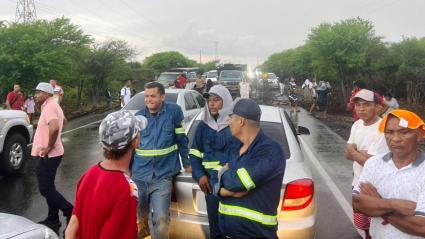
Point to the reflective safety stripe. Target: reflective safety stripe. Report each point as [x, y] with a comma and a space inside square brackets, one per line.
[215, 165]
[196, 153]
[156, 152]
[248, 214]
[245, 179]
[179, 130]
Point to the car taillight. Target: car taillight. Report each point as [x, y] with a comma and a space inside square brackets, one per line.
[298, 194]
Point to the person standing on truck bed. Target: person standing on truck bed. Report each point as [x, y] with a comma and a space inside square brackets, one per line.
[208, 151]
[156, 160]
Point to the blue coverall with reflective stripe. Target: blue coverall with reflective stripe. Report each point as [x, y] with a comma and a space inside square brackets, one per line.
[208, 153]
[259, 171]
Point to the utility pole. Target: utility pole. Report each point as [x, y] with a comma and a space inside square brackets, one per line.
[200, 56]
[216, 50]
[25, 11]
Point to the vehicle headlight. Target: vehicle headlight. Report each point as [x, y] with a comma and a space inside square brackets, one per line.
[49, 234]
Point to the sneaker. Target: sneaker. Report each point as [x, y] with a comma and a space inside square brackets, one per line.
[53, 224]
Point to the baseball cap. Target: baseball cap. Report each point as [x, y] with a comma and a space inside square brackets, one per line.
[248, 109]
[119, 128]
[407, 119]
[45, 87]
[367, 95]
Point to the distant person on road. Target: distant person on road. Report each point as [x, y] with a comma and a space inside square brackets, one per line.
[199, 84]
[250, 185]
[364, 142]
[391, 186]
[125, 93]
[29, 107]
[209, 85]
[281, 85]
[292, 96]
[57, 92]
[208, 152]
[47, 151]
[106, 198]
[391, 103]
[156, 160]
[322, 93]
[15, 99]
[244, 88]
[181, 79]
[311, 86]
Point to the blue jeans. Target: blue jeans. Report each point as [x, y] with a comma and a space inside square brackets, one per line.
[154, 202]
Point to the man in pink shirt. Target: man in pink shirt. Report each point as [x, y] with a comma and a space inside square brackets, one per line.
[48, 150]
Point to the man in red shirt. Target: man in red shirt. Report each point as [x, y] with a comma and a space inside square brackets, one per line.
[15, 99]
[106, 199]
[182, 81]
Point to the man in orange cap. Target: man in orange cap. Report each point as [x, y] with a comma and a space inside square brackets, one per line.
[391, 187]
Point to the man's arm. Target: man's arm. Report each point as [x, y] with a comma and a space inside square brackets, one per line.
[264, 164]
[196, 156]
[71, 231]
[53, 135]
[414, 225]
[181, 138]
[351, 153]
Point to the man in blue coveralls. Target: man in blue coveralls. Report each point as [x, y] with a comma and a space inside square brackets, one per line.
[208, 151]
[250, 186]
[156, 160]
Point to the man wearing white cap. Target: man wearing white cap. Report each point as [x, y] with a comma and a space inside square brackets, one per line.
[365, 141]
[47, 150]
[106, 199]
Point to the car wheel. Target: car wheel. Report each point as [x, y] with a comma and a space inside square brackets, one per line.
[15, 153]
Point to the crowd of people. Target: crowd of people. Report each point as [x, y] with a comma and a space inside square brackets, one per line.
[128, 194]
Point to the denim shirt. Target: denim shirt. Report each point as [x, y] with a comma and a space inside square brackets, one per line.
[160, 133]
[209, 151]
[259, 171]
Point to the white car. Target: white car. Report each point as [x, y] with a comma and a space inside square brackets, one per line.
[16, 227]
[16, 133]
[297, 208]
[212, 75]
[190, 101]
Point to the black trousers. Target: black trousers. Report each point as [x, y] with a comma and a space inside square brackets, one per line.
[46, 173]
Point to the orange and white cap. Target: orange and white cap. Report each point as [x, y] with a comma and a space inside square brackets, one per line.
[407, 119]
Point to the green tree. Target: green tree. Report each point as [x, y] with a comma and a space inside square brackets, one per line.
[163, 61]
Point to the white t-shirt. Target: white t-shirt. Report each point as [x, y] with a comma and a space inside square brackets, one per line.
[406, 183]
[392, 104]
[126, 94]
[366, 138]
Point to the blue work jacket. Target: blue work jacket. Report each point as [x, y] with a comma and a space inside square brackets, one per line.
[161, 142]
[208, 152]
[259, 171]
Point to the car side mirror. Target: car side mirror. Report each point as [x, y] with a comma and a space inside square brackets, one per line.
[303, 131]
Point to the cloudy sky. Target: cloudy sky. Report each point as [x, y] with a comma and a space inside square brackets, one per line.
[244, 31]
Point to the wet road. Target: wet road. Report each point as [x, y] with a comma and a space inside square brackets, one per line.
[19, 195]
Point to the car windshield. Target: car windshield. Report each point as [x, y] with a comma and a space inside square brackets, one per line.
[271, 129]
[167, 77]
[212, 74]
[227, 75]
[272, 76]
[138, 101]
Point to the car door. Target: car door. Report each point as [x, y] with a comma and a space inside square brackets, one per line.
[200, 100]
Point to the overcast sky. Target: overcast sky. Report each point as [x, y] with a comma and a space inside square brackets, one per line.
[245, 31]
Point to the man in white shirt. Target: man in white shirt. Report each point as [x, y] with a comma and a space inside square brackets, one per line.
[391, 187]
[57, 91]
[365, 141]
[125, 94]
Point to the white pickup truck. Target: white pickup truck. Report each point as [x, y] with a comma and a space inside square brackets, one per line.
[16, 133]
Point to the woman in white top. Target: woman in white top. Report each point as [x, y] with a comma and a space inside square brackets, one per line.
[244, 88]
[391, 102]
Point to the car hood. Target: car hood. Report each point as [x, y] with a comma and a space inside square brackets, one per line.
[12, 225]
[8, 114]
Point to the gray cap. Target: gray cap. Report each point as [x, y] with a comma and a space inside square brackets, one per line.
[248, 109]
[119, 128]
[45, 87]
